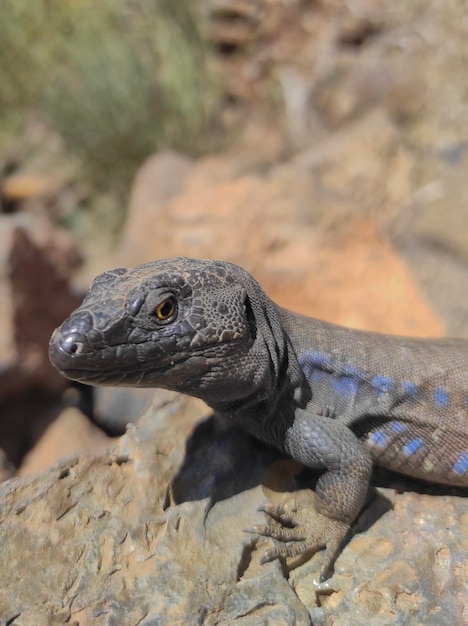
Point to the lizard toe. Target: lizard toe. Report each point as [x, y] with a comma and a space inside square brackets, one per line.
[298, 532]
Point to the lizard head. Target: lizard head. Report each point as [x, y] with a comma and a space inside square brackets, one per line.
[182, 324]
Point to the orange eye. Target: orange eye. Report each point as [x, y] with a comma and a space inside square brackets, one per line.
[166, 309]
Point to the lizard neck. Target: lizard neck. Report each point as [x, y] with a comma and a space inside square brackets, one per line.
[276, 384]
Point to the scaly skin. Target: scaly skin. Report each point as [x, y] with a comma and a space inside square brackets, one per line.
[335, 399]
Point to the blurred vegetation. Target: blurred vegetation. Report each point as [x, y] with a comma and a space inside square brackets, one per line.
[117, 79]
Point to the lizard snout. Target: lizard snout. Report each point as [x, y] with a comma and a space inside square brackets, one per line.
[69, 341]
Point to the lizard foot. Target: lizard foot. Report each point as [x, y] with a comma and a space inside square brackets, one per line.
[301, 531]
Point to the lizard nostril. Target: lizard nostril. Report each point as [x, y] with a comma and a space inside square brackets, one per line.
[72, 343]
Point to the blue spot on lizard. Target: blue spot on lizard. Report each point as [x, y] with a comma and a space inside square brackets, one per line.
[379, 438]
[382, 439]
[382, 384]
[412, 446]
[346, 385]
[398, 427]
[441, 397]
[411, 389]
[461, 464]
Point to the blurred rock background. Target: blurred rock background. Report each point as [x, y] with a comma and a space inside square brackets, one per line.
[321, 144]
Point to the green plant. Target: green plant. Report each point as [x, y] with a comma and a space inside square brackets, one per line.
[118, 79]
[132, 79]
[28, 36]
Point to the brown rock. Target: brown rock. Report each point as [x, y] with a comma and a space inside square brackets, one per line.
[234, 23]
[20, 187]
[35, 298]
[6, 468]
[71, 434]
[93, 541]
[354, 278]
[160, 178]
[153, 531]
[115, 407]
[342, 270]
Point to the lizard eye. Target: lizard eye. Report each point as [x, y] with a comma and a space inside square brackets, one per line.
[166, 309]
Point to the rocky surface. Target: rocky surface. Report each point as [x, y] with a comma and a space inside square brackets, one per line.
[371, 98]
[270, 223]
[70, 434]
[153, 532]
[35, 269]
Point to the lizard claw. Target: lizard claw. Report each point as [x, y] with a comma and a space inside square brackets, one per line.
[301, 531]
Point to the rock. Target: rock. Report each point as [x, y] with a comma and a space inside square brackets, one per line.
[402, 566]
[21, 187]
[436, 243]
[153, 531]
[233, 24]
[37, 174]
[71, 434]
[7, 469]
[115, 407]
[118, 552]
[23, 419]
[310, 254]
[160, 178]
[35, 296]
[373, 92]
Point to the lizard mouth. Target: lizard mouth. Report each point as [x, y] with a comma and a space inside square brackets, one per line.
[103, 367]
[110, 365]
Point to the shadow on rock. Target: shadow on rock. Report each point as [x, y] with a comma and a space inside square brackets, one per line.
[220, 461]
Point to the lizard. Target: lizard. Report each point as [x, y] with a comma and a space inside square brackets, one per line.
[335, 399]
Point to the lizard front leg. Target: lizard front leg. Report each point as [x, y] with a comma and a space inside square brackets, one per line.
[322, 443]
